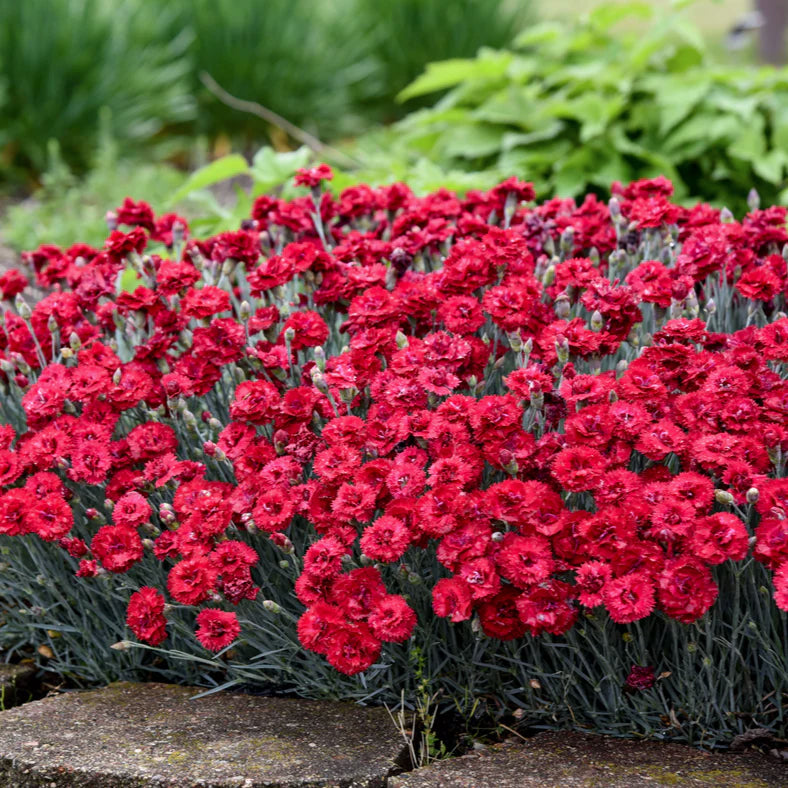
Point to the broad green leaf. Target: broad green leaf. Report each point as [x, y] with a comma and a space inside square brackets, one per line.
[447, 73]
[750, 144]
[511, 140]
[743, 106]
[702, 127]
[216, 171]
[592, 111]
[471, 142]
[780, 128]
[513, 105]
[542, 33]
[676, 100]
[271, 169]
[606, 15]
[771, 166]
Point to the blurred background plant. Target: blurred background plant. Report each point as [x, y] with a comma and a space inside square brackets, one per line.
[624, 93]
[592, 94]
[64, 61]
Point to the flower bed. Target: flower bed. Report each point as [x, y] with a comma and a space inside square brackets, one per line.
[530, 455]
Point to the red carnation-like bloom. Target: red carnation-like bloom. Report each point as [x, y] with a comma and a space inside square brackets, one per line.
[217, 629]
[629, 598]
[117, 547]
[451, 598]
[386, 539]
[14, 506]
[640, 678]
[525, 560]
[313, 176]
[145, 615]
[719, 537]
[352, 650]
[781, 586]
[317, 624]
[324, 558]
[500, 617]
[256, 401]
[579, 468]
[685, 589]
[547, 608]
[131, 510]
[392, 619]
[191, 581]
[591, 578]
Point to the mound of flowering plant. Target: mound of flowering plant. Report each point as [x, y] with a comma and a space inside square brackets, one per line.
[381, 417]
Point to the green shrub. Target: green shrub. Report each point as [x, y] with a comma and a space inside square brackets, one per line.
[574, 106]
[63, 61]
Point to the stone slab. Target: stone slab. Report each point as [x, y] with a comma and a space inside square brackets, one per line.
[15, 681]
[575, 760]
[154, 736]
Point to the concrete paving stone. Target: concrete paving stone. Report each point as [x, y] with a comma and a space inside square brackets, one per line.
[577, 760]
[154, 736]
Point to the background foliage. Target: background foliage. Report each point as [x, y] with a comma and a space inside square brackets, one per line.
[576, 105]
[331, 66]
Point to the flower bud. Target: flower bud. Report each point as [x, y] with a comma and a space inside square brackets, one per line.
[562, 307]
[723, 497]
[621, 367]
[318, 380]
[320, 358]
[289, 335]
[497, 536]
[537, 400]
[24, 310]
[167, 516]
[348, 395]
[726, 216]
[562, 350]
[245, 311]
[753, 200]
[614, 207]
[515, 340]
[121, 645]
[271, 606]
[753, 495]
[549, 276]
[567, 242]
[52, 325]
[597, 321]
[401, 340]
[710, 307]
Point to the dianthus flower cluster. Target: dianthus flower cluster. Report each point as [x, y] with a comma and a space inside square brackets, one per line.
[566, 406]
